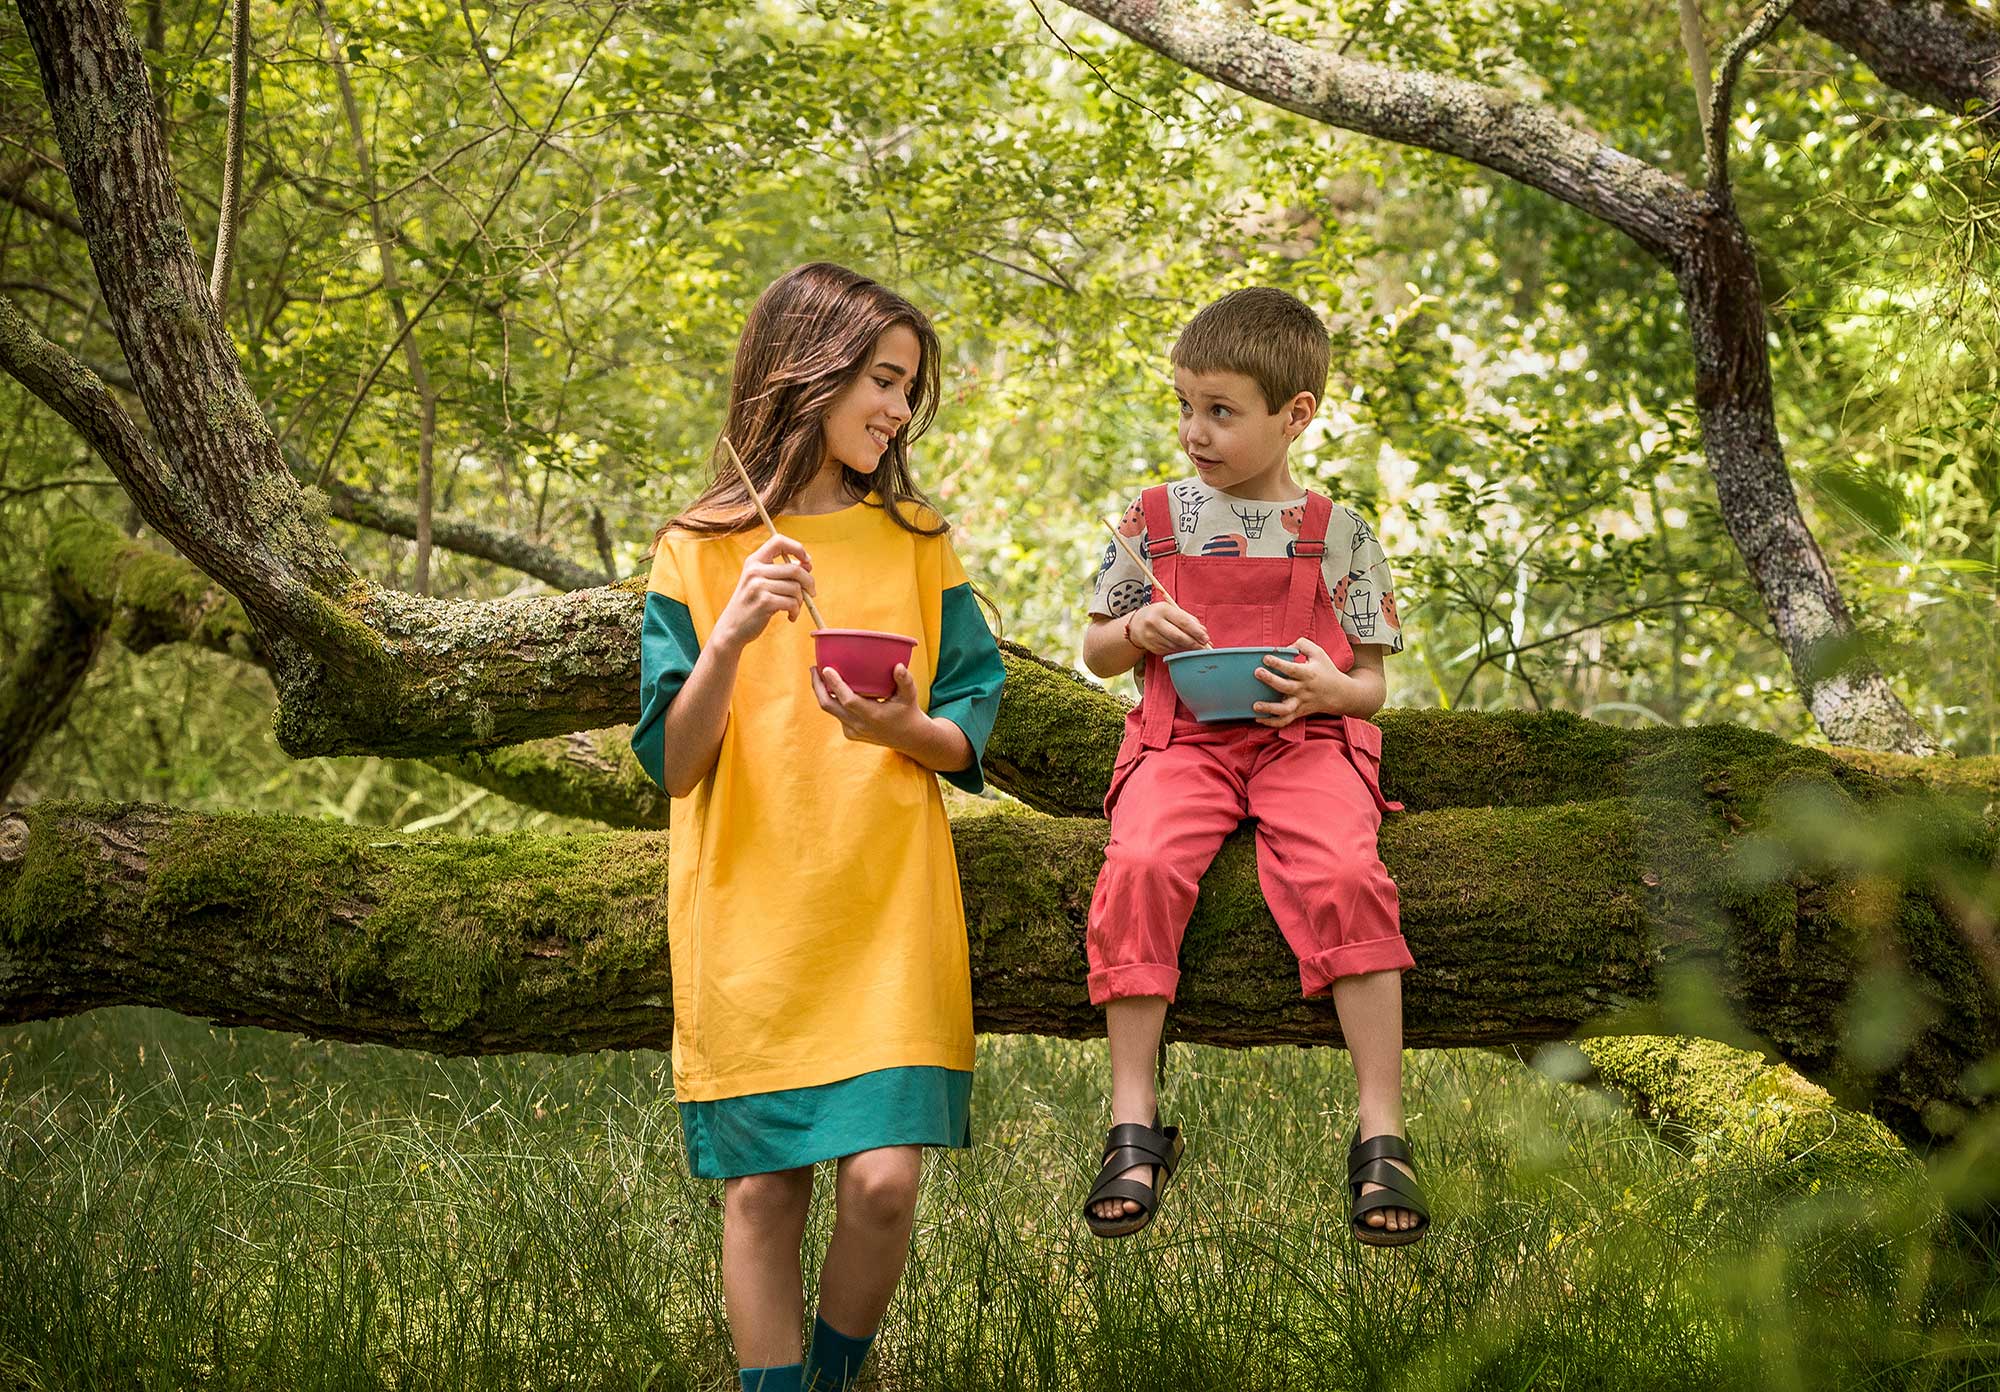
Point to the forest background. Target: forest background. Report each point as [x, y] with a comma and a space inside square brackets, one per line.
[487, 269]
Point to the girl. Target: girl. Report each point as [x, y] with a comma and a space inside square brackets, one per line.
[822, 998]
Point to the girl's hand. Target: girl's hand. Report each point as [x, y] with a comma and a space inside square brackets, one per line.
[1165, 628]
[772, 583]
[894, 723]
[1311, 686]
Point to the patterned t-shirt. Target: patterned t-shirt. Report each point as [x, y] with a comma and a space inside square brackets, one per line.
[1209, 522]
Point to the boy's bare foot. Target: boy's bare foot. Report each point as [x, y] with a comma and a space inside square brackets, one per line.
[1390, 1219]
[1126, 1195]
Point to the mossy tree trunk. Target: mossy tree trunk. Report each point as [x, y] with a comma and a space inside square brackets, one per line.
[1620, 915]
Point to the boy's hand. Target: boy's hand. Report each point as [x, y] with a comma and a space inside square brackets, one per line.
[1312, 686]
[1165, 628]
[894, 723]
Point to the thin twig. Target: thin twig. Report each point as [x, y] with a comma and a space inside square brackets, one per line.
[1109, 86]
[232, 160]
[1716, 138]
[361, 394]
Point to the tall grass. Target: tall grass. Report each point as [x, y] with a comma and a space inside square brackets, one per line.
[191, 1207]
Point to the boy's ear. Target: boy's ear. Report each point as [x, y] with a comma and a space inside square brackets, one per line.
[1299, 413]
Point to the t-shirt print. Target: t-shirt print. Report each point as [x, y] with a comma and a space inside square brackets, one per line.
[1209, 522]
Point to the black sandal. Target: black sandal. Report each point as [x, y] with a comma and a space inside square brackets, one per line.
[1127, 1146]
[1368, 1163]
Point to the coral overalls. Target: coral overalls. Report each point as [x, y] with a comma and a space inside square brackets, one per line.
[1180, 787]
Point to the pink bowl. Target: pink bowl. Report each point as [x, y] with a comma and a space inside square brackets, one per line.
[865, 659]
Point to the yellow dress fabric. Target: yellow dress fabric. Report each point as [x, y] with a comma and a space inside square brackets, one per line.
[816, 925]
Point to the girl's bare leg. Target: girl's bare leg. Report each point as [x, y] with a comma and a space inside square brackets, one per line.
[763, 1284]
[876, 1206]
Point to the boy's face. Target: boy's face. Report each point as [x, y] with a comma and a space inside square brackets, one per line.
[1235, 442]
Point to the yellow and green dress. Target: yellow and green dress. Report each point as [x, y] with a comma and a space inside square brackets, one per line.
[822, 993]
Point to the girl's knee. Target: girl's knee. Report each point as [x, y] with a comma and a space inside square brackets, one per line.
[768, 1200]
[879, 1188]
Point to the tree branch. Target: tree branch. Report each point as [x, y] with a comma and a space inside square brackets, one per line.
[232, 160]
[1715, 138]
[392, 286]
[1501, 130]
[484, 945]
[1696, 48]
[47, 212]
[1941, 52]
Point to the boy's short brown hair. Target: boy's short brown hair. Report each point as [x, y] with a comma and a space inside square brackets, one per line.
[1271, 337]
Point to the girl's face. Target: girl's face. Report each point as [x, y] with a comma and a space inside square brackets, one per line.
[875, 406]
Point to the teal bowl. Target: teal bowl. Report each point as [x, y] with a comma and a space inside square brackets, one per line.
[1218, 683]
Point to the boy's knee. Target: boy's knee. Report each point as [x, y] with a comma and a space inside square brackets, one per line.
[1129, 866]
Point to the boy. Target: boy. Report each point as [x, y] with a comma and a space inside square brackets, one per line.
[1257, 561]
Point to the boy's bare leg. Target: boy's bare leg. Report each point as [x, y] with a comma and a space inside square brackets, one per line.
[763, 1285]
[876, 1206]
[1134, 1025]
[1370, 1007]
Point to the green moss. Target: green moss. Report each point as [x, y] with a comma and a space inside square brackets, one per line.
[62, 883]
[1728, 1105]
[451, 926]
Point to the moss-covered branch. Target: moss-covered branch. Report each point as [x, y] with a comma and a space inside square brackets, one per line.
[1731, 1103]
[1057, 732]
[36, 690]
[1528, 924]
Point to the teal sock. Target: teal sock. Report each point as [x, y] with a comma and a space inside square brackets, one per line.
[834, 1360]
[788, 1377]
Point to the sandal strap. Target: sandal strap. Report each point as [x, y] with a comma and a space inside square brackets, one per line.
[1378, 1201]
[1397, 1190]
[1135, 1191]
[1383, 1147]
[1152, 1144]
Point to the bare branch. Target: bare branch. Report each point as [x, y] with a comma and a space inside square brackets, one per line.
[1943, 52]
[445, 281]
[232, 160]
[1696, 48]
[1715, 138]
[392, 286]
[76, 394]
[48, 212]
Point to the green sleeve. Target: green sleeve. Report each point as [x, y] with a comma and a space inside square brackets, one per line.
[667, 650]
[966, 689]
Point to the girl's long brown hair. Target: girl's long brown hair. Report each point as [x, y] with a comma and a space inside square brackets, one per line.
[812, 331]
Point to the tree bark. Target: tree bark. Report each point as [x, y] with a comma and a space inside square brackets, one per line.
[36, 692]
[1056, 735]
[1938, 51]
[357, 668]
[1850, 699]
[482, 945]
[1755, 1115]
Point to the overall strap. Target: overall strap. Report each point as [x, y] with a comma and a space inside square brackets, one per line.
[1157, 701]
[1308, 555]
[1161, 543]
